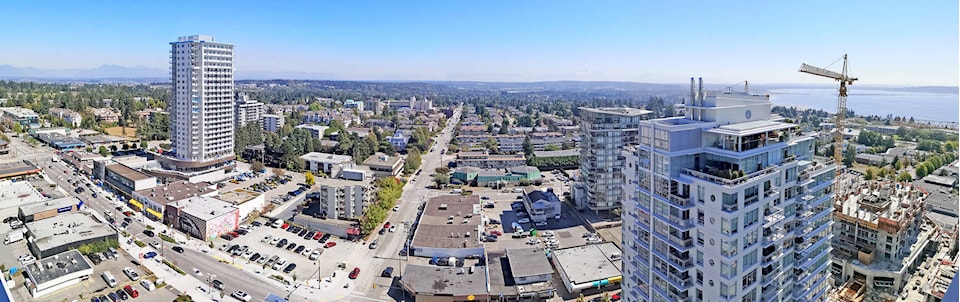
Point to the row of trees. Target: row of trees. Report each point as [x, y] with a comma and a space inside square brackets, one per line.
[98, 246]
[389, 190]
[932, 163]
[550, 163]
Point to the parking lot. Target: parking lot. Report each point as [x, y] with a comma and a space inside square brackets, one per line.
[95, 286]
[327, 260]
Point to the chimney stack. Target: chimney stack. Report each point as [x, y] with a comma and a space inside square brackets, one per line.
[702, 96]
[693, 91]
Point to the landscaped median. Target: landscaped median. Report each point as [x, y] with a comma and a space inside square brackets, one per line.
[168, 239]
[174, 267]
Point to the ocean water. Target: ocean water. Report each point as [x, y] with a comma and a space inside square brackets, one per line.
[919, 105]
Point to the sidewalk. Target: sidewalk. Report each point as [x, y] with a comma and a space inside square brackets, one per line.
[183, 283]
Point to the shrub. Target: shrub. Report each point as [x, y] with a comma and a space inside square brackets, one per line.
[139, 243]
[167, 238]
[174, 267]
[98, 247]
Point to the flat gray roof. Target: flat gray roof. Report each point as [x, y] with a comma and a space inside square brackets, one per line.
[238, 196]
[444, 280]
[558, 153]
[326, 157]
[57, 266]
[382, 160]
[500, 282]
[588, 263]
[18, 194]
[434, 230]
[49, 205]
[67, 228]
[177, 191]
[126, 172]
[528, 262]
[205, 208]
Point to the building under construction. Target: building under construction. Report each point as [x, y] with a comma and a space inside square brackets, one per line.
[880, 238]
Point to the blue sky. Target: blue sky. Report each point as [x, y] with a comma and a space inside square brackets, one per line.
[889, 42]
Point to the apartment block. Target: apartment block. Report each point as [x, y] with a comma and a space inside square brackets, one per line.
[727, 203]
[202, 105]
[880, 238]
[344, 199]
[486, 160]
[246, 111]
[606, 131]
[72, 118]
[510, 142]
[542, 140]
[272, 122]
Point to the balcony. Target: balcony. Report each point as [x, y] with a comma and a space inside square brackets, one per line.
[751, 200]
[725, 177]
[684, 242]
[775, 233]
[680, 201]
[730, 208]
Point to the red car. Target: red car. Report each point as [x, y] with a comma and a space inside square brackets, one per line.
[317, 236]
[496, 233]
[386, 225]
[330, 244]
[130, 291]
[354, 273]
[234, 234]
[285, 225]
[616, 297]
[128, 213]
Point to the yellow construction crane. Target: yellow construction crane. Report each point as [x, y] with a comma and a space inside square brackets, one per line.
[845, 79]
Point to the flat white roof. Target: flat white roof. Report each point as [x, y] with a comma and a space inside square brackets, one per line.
[753, 127]
[326, 157]
[18, 194]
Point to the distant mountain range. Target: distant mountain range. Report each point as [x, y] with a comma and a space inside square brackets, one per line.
[143, 74]
[121, 73]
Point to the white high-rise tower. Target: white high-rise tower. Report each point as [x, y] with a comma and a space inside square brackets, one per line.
[727, 203]
[202, 106]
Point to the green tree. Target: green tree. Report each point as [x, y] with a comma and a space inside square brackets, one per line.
[308, 178]
[527, 146]
[315, 106]
[869, 175]
[442, 170]
[905, 177]
[413, 161]
[17, 128]
[849, 155]
[104, 151]
[257, 166]
[441, 180]
[144, 145]
[921, 171]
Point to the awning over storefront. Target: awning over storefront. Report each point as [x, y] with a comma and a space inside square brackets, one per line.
[136, 204]
[154, 213]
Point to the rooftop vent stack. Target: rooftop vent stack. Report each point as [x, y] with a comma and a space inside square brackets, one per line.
[746, 87]
[693, 90]
[700, 92]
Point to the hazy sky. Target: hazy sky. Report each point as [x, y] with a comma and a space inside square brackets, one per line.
[889, 42]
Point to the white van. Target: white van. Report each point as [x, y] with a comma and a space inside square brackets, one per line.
[112, 282]
[457, 191]
[147, 284]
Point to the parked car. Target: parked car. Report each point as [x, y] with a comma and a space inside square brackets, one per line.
[217, 284]
[354, 273]
[299, 249]
[122, 294]
[290, 267]
[291, 246]
[149, 255]
[330, 244]
[373, 245]
[242, 296]
[131, 291]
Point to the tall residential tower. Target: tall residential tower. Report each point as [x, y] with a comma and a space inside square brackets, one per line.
[604, 133]
[202, 106]
[727, 203]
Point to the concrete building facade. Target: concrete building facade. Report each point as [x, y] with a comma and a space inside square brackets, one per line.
[273, 122]
[202, 105]
[605, 131]
[246, 111]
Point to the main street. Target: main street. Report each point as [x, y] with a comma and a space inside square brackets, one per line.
[416, 190]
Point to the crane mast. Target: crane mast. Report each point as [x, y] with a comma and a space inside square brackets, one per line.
[844, 79]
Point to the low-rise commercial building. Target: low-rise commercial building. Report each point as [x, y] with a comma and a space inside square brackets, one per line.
[449, 227]
[495, 177]
[121, 179]
[60, 141]
[154, 200]
[384, 165]
[444, 284]
[27, 118]
[589, 266]
[204, 218]
[17, 170]
[64, 232]
[529, 265]
[49, 208]
[329, 164]
[51, 274]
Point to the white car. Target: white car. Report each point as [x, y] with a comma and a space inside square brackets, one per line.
[26, 259]
[393, 228]
[306, 252]
[524, 220]
[396, 208]
[197, 272]
[240, 295]
[155, 244]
